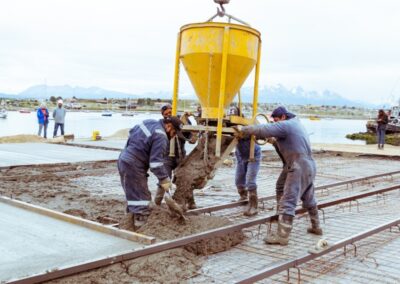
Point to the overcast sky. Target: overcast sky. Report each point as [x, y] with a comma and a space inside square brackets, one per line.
[351, 47]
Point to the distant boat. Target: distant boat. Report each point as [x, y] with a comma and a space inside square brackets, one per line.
[3, 113]
[107, 113]
[24, 111]
[314, 117]
[128, 113]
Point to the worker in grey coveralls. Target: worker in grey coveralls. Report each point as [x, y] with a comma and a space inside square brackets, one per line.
[299, 171]
[146, 148]
[246, 170]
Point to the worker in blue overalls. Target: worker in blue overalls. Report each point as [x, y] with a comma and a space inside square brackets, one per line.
[147, 148]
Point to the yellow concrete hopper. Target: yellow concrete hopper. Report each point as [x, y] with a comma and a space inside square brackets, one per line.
[202, 49]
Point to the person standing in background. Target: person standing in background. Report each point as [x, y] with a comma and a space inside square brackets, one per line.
[43, 119]
[382, 121]
[59, 118]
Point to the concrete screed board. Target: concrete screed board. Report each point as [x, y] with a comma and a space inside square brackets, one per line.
[33, 243]
[14, 154]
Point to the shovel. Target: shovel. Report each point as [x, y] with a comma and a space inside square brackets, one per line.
[173, 206]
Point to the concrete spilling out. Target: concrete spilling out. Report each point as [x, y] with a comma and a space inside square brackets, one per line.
[197, 168]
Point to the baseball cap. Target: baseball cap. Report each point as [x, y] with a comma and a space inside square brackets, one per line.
[279, 111]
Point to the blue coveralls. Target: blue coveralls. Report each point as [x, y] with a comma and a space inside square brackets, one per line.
[246, 171]
[299, 170]
[146, 148]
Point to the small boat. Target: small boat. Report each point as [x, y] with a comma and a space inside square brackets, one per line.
[314, 117]
[24, 111]
[107, 113]
[128, 113]
[3, 113]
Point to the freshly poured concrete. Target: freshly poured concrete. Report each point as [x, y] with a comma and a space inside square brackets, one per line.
[42, 153]
[32, 243]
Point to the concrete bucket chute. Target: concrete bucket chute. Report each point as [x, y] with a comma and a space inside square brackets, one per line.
[201, 53]
[218, 57]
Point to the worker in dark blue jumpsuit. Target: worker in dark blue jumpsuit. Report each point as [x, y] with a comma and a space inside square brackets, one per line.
[246, 170]
[171, 163]
[299, 171]
[146, 148]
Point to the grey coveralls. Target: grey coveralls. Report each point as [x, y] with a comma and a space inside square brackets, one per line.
[300, 169]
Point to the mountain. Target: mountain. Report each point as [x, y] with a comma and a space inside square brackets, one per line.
[298, 96]
[278, 94]
[66, 91]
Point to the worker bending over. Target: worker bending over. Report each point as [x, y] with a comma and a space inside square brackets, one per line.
[172, 162]
[146, 148]
[299, 171]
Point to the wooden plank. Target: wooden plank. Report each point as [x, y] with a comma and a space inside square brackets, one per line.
[132, 236]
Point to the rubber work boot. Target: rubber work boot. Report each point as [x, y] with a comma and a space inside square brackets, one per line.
[159, 196]
[253, 204]
[139, 220]
[242, 193]
[281, 237]
[315, 225]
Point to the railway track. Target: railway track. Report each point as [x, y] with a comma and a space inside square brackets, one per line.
[254, 223]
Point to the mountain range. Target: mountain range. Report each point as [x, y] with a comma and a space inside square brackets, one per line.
[271, 94]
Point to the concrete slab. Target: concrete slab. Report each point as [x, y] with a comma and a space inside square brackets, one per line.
[360, 149]
[33, 243]
[42, 153]
[109, 143]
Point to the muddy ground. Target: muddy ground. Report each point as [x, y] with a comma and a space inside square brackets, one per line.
[92, 190]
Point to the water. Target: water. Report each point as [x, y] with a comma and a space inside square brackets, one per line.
[83, 123]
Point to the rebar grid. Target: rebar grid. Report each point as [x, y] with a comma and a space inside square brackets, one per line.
[254, 255]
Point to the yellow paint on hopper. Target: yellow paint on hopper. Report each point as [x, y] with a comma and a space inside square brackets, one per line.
[201, 54]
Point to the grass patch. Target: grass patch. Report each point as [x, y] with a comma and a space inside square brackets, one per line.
[371, 138]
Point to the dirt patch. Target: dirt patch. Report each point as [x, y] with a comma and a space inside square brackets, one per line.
[68, 188]
[173, 266]
[22, 138]
[123, 133]
[163, 226]
[195, 170]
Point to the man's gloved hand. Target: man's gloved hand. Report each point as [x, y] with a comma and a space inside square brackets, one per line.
[271, 140]
[165, 184]
[238, 131]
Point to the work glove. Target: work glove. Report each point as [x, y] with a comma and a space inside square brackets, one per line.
[165, 184]
[238, 131]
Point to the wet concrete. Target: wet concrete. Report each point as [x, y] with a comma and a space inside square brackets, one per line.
[42, 153]
[32, 243]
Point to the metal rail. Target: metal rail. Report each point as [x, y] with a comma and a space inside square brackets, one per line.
[295, 262]
[210, 209]
[167, 245]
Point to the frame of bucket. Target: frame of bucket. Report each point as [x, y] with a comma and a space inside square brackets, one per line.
[218, 57]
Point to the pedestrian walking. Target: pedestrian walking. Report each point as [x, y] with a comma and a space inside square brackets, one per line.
[43, 119]
[382, 121]
[59, 118]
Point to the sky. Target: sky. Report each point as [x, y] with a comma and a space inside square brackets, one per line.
[351, 47]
